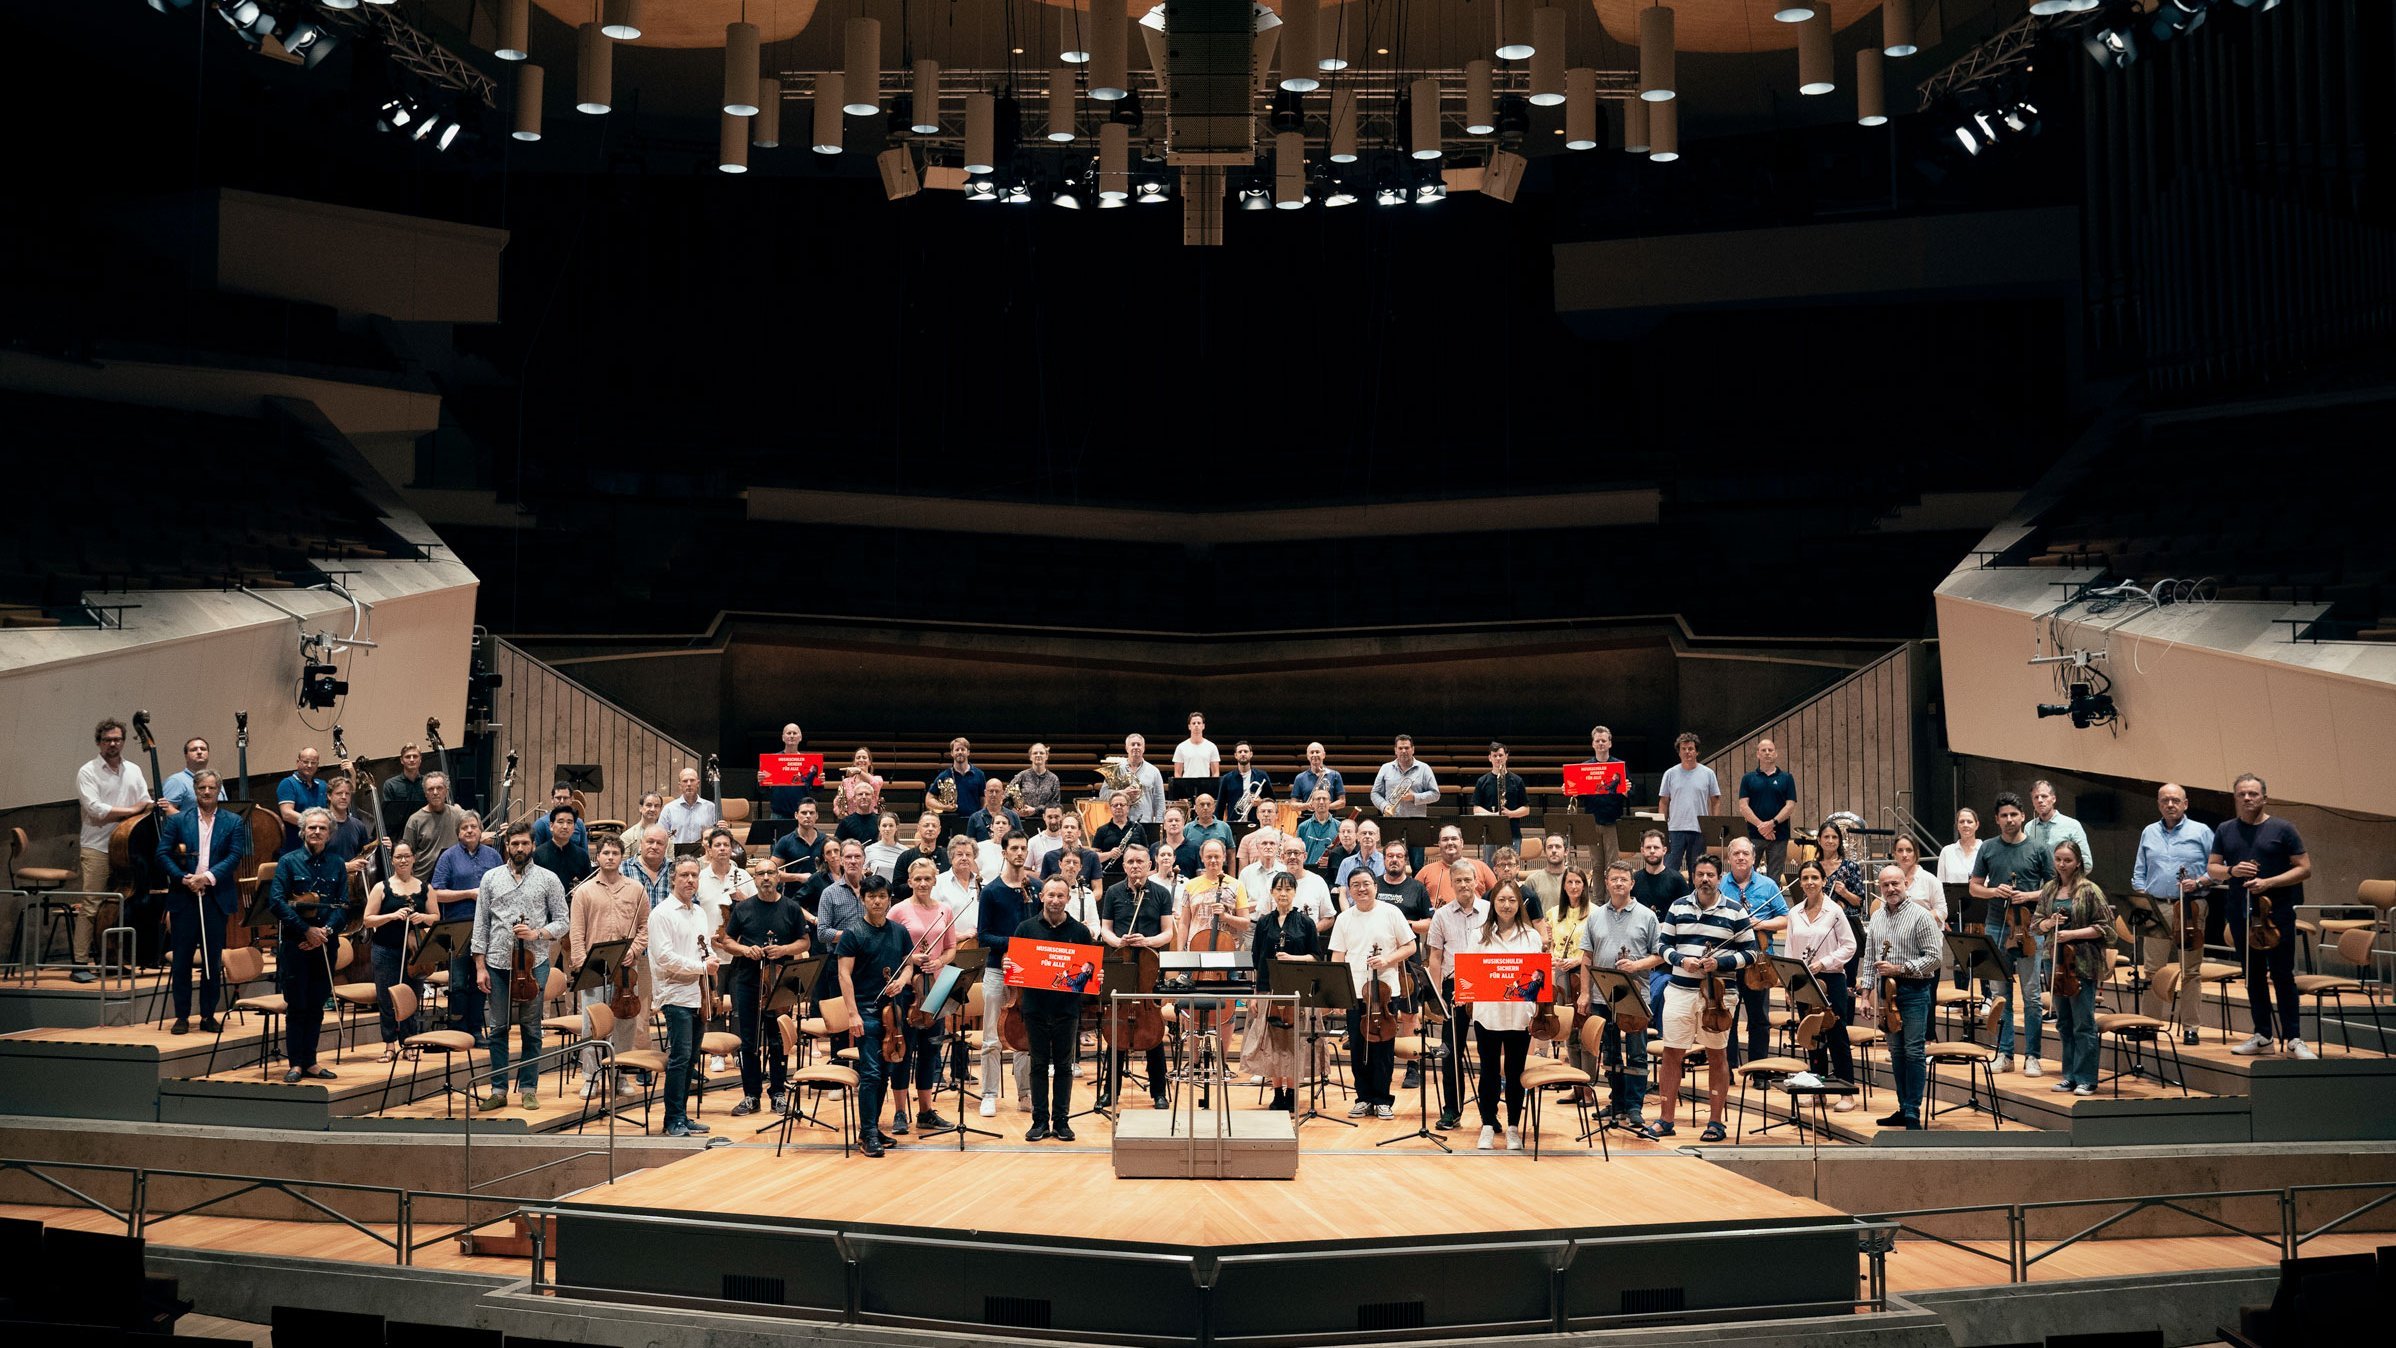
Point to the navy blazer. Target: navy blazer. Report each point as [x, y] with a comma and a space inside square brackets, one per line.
[228, 844]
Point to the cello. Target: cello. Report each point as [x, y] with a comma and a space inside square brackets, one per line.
[1380, 1017]
[1137, 1026]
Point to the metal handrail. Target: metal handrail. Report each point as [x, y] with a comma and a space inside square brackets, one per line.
[2300, 1237]
[607, 1053]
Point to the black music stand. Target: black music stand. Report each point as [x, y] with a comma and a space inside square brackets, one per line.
[1483, 830]
[2144, 919]
[1579, 830]
[1614, 994]
[1320, 986]
[1630, 830]
[1236, 964]
[438, 944]
[584, 777]
[1717, 830]
[969, 961]
[1119, 968]
[1977, 955]
[782, 987]
[1422, 1080]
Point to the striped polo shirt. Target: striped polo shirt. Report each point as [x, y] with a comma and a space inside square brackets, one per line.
[1690, 931]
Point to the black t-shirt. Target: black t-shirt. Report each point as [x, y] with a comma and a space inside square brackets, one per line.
[1186, 860]
[2271, 845]
[1765, 795]
[906, 859]
[875, 953]
[809, 856]
[761, 922]
[1116, 908]
[1490, 793]
[1111, 834]
[1328, 867]
[1657, 891]
[863, 828]
[1408, 896]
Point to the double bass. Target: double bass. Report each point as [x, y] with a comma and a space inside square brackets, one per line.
[1136, 1026]
[133, 853]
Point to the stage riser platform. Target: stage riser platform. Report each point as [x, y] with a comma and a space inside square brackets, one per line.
[78, 1006]
[65, 1079]
[309, 1106]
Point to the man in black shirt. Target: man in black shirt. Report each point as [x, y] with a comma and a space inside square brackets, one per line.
[994, 808]
[1116, 835]
[1655, 885]
[927, 844]
[761, 934]
[559, 854]
[873, 950]
[2262, 857]
[1501, 792]
[1132, 913]
[1398, 887]
[1053, 1019]
[864, 828]
[800, 852]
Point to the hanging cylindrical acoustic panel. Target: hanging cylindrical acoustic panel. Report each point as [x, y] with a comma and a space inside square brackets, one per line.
[1580, 108]
[1896, 28]
[1301, 33]
[927, 98]
[1289, 169]
[1060, 104]
[1871, 98]
[1072, 48]
[594, 70]
[1547, 56]
[740, 69]
[1110, 50]
[1814, 63]
[1343, 125]
[1114, 159]
[732, 144]
[1634, 126]
[765, 129]
[1664, 131]
[829, 99]
[861, 67]
[529, 83]
[1657, 78]
[1480, 101]
[622, 21]
[515, 30]
[1513, 30]
[981, 133]
[1797, 11]
[1424, 95]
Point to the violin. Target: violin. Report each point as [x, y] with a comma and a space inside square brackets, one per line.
[1713, 1015]
[1380, 1018]
[1892, 1023]
[894, 1030]
[520, 985]
[2261, 932]
[2063, 974]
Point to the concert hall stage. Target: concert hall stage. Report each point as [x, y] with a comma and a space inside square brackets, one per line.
[1356, 1247]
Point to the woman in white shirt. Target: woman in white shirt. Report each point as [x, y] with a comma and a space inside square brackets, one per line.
[1502, 1030]
[1818, 934]
[881, 858]
[1955, 859]
[1920, 885]
[1081, 898]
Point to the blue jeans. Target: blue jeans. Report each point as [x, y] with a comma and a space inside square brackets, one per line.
[465, 999]
[2025, 980]
[682, 1026]
[2075, 1024]
[866, 1037]
[1914, 1007]
[1682, 848]
[526, 1016]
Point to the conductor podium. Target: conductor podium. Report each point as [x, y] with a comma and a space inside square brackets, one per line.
[1219, 1142]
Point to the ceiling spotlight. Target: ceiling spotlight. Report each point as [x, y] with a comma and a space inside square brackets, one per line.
[449, 134]
[1390, 194]
[397, 113]
[1150, 192]
[1798, 11]
[1430, 193]
[1019, 193]
[622, 20]
[980, 189]
[1339, 194]
[1065, 195]
[2111, 37]
[2043, 8]
[1255, 199]
[1970, 142]
[424, 127]
[2023, 116]
[308, 44]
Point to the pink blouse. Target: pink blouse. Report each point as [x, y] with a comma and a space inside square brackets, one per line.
[1825, 943]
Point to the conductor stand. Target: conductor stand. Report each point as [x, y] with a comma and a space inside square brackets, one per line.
[1422, 1080]
[947, 999]
[1205, 1000]
[1327, 988]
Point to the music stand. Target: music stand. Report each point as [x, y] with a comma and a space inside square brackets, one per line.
[688, 849]
[969, 961]
[1721, 828]
[584, 777]
[782, 992]
[1978, 955]
[1418, 831]
[1119, 969]
[1323, 987]
[1960, 912]
[1483, 830]
[1579, 830]
[1629, 831]
[1614, 994]
[443, 941]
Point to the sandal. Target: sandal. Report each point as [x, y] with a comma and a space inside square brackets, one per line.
[1713, 1133]
[389, 1055]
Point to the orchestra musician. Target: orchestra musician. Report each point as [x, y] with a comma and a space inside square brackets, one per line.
[1134, 913]
[1053, 1019]
[398, 902]
[1244, 787]
[927, 844]
[1767, 913]
[433, 828]
[1196, 758]
[1500, 792]
[1148, 802]
[882, 854]
[1003, 905]
[2076, 921]
[2012, 867]
[1455, 927]
[109, 789]
[610, 906]
[872, 945]
[457, 892]
[521, 904]
[1820, 937]
[1625, 936]
[1373, 941]
[2260, 856]
[1405, 786]
[681, 956]
[1316, 777]
[761, 932]
[1283, 932]
[689, 815]
[559, 853]
[2171, 866]
[1902, 949]
[1204, 827]
[310, 898]
[1502, 1029]
[1318, 830]
[782, 802]
[932, 929]
[966, 781]
[200, 851]
[1036, 788]
[1117, 837]
[1706, 934]
[1605, 807]
[1212, 897]
[1571, 914]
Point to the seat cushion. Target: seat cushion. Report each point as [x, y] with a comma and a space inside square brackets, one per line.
[641, 1060]
[1960, 1050]
[1407, 1046]
[43, 876]
[2113, 1022]
[564, 1024]
[356, 994]
[2308, 984]
[2339, 926]
[438, 978]
[841, 1078]
[441, 1041]
[2216, 971]
[1770, 1067]
[271, 1003]
[1549, 1072]
[718, 1042]
[1865, 1034]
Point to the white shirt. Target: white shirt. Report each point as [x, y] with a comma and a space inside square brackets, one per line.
[687, 823]
[680, 939]
[1313, 897]
[1523, 940]
[1041, 845]
[1826, 939]
[965, 898]
[1926, 890]
[882, 857]
[719, 892]
[1955, 864]
[1195, 760]
[990, 858]
[1148, 794]
[1357, 935]
[101, 791]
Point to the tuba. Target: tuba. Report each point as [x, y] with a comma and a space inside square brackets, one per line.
[948, 795]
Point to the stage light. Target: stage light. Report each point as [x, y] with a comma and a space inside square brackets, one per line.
[1288, 112]
[1110, 57]
[1580, 108]
[515, 30]
[981, 133]
[449, 134]
[1065, 195]
[980, 189]
[1343, 125]
[1300, 54]
[1871, 98]
[2023, 117]
[1547, 57]
[426, 125]
[1664, 132]
[1112, 203]
[1430, 192]
[1480, 99]
[1390, 194]
[740, 69]
[1896, 28]
[2176, 17]
[2112, 44]
[397, 113]
[1814, 64]
[830, 99]
[1019, 192]
[926, 104]
[1339, 193]
[1255, 199]
[1152, 190]
[1060, 104]
[2044, 8]
[167, 6]
[732, 144]
[765, 129]
[1423, 119]
[2087, 705]
[530, 80]
[1513, 30]
[621, 19]
[319, 686]
[1796, 11]
[861, 67]
[307, 44]
[594, 70]
[1657, 77]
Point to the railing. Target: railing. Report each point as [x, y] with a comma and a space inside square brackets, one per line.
[552, 718]
[607, 1061]
[1850, 746]
[2021, 1253]
[403, 1242]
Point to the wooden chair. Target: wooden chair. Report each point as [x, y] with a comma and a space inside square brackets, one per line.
[447, 1043]
[595, 1021]
[2137, 1037]
[1541, 1073]
[712, 1044]
[831, 1020]
[38, 882]
[1979, 1073]
[1861, 1040]
[1765, 1074]
[2222, 973]
[815, 1079]
[236, 968]
[647, 1060]
[2354, 947]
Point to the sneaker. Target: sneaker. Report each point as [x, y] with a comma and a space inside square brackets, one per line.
[715, 1064]
[1359, 1110]
[1038, 1132]
[1384, 1112]
[491, 1102]
[695, 1126]
[2003, 1064]
[678, 1130]
[989, 1108]
[2046, 1017]
[931, 1122]
[85, 976]
[590, 1088]
[2189, 1037]
[1488, 1138]
[2064, 1087]
[2032, 1068]
[1846, 1105]
[1414, 1077]
[746, 1107]
[1062, 1133]
[1160, 1102]
[870, 1146]
[1987, 1004]
[777, 1101]
[2083, 1090]
[2302, 1051]
[898, 1124]
[2255, 1046]
[1514, 1139]
[179, 1027]
[1447, 1122]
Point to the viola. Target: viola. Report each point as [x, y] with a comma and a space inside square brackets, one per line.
[894, 1030]
[2261, 932]
[1380, 1018]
